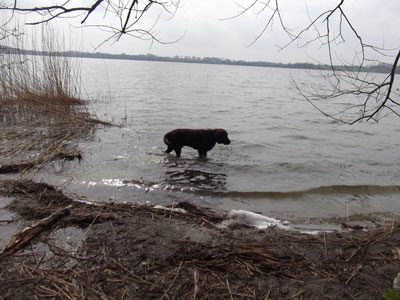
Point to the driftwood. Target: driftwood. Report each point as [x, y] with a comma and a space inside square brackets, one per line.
[21, 238]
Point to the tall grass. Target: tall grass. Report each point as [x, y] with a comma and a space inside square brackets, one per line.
[41, 112]
[48, 78]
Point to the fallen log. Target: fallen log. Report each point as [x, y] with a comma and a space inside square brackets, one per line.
[23, 237]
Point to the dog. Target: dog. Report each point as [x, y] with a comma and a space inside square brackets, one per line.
[202, 140]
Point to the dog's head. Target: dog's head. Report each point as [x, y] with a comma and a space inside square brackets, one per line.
[221, 136]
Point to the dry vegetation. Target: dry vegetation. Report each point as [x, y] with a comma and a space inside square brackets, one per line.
[137, 252]
[41, 113]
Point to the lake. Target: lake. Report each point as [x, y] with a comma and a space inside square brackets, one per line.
[286, 159]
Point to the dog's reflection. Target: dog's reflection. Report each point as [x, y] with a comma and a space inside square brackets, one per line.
[199, 180]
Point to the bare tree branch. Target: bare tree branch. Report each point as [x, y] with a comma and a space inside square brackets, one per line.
[345, 80]
[387, 96]
[92, 9]
[128, 13]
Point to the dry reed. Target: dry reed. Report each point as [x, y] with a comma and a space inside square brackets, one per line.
[41, 110]
[133, 259]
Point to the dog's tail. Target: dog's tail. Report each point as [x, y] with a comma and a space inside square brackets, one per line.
[166, 140]
[168, 143]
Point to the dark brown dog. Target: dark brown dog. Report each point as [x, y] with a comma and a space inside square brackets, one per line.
[202, 140]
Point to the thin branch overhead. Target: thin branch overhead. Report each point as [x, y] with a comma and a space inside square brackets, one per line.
[129, 14]
[366, 96]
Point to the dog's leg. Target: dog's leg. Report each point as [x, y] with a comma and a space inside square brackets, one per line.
[178, 152]
[169, 149]
[202, 153]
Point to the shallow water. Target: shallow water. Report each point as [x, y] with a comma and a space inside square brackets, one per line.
[286, 160]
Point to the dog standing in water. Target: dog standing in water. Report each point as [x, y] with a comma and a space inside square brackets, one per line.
[202, 140]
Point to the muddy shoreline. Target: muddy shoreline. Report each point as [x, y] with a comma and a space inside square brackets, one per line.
[127, 251]
[77, 248]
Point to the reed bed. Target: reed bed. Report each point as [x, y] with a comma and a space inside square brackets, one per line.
[42, 115]
[138, 252]
[47, 132]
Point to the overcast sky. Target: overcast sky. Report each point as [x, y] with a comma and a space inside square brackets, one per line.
[205, 30]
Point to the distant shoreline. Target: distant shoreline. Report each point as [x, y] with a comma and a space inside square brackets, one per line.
[379, 68]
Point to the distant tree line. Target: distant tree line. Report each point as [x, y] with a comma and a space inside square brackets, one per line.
[378, 68]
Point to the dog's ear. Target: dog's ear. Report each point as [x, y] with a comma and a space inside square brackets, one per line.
[217, 132]
[221, 132]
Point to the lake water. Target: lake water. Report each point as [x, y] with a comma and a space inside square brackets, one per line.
[286, 159]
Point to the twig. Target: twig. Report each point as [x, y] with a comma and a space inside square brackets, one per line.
[172, 209]
[91, 224]
[269, 292]
[229, 289]
[195, 283]
[353, 274]
[326, 248]
[173, 281]
[348, 293]
[129, 272]
[297, 294]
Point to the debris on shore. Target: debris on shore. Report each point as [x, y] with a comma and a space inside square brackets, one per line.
[129, 251]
